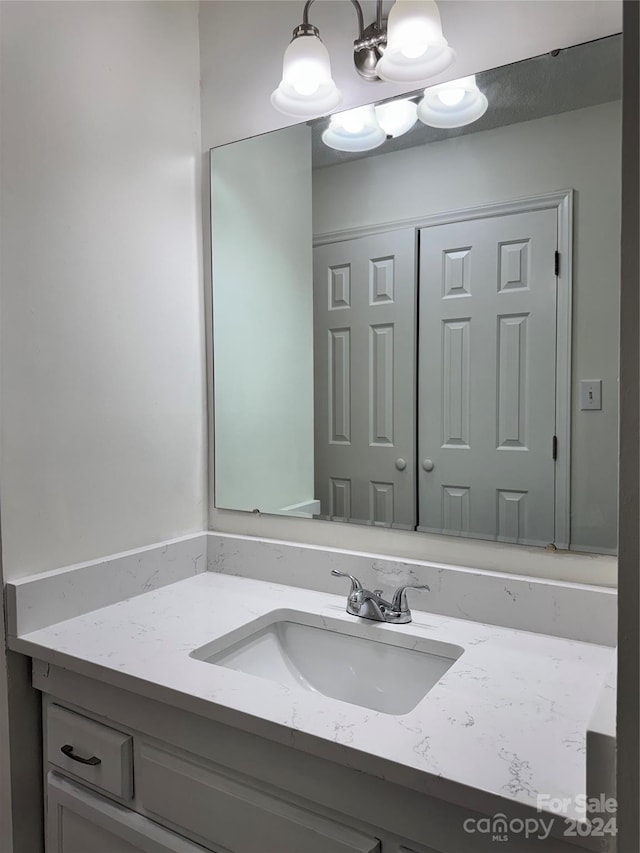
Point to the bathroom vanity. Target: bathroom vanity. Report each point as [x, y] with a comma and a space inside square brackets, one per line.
[184, 719]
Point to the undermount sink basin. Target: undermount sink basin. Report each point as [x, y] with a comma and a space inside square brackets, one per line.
[365, 665]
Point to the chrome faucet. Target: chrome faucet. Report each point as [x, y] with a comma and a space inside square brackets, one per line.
[371, 605]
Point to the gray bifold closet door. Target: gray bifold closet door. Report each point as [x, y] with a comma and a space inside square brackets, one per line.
[473, 390]
[365, 361]
[487, 377]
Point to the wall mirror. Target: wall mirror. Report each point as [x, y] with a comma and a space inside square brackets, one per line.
[421, 330]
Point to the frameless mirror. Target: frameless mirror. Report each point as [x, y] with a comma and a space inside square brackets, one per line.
[424, 335]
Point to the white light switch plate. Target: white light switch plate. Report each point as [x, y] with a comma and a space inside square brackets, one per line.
[591, 394]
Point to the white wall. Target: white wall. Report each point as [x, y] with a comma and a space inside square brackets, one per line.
[101, 336]
[579, 150]
[236, 85]
[101, 331]
[263, 322]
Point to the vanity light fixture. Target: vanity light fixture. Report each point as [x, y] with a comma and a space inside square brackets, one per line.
[307, 87]
[452, 104]
[365, 128]
[410, 49]
[397, 117]
[354, 130]
[416, 48]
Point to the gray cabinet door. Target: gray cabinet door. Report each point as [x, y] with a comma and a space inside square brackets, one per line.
[236, 815]
[364, 365]
[79, 821]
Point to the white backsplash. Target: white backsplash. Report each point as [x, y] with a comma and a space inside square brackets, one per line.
[43, 599]
[574, 611]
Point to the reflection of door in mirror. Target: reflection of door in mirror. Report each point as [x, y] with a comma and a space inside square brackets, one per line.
[365, 362]
[486, 366]
[487, 386]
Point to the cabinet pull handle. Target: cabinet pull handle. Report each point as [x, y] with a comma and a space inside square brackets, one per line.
[67, 749]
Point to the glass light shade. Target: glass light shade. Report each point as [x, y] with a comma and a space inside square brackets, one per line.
[397, 117]
[307, 88]
[416, 48]
[452, 104]
[354, 130]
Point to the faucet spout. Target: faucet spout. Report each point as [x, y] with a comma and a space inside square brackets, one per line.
[372, 607]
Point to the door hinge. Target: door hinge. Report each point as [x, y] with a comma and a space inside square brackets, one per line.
[556, 263]
[554, 447]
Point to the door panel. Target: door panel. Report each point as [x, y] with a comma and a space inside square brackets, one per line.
[233, 814]
[80, 821]
[365, 357]
[487, 374]
[78, 835]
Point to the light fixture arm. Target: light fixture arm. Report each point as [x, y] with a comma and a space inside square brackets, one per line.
[369, 45]
[305, 13]
[356, 5]
[358, 9]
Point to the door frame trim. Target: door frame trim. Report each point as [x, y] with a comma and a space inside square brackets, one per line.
[562, 202]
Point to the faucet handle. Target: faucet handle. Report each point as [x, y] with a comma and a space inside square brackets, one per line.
[356, 586]
[399, 602]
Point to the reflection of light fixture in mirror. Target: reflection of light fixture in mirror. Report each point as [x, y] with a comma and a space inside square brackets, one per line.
[397, 117]
[416, 48]
[307, 88]
[452, 104]
[354, 130]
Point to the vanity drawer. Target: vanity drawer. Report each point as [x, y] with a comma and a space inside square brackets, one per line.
[234, 815]
[88, 750]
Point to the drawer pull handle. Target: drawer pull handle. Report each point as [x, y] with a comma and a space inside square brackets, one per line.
[67, 749]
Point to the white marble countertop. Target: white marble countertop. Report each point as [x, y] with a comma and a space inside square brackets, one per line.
[508, 719]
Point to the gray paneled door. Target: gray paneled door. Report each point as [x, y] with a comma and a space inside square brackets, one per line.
[365, 363]
[487, 377]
